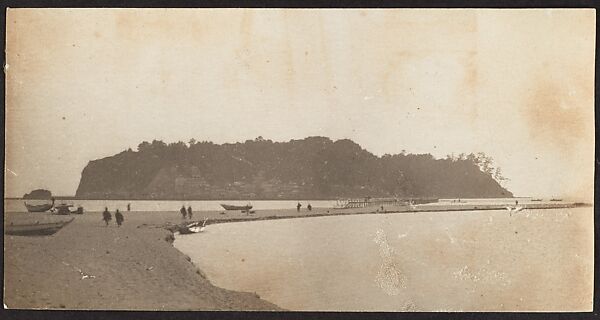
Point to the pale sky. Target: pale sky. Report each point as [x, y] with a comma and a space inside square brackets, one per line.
[516, 84]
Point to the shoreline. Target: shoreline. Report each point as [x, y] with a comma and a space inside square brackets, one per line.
[453, 237]
[173, 228]
[123, 258]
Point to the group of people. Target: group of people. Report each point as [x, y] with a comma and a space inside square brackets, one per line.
[186, 213]
[106, 216]
[299, 205]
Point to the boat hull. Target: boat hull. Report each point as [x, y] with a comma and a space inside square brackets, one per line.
[195, 227]
[231, 207]
[38, 208]
[65, 210]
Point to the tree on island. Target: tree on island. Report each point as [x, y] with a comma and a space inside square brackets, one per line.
[484, 162]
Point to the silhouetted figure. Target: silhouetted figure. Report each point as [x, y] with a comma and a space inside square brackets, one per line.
[516, 202]
[129, 207]
[119, 217]
[298, 206]
[189, 212]
[309, 207]
[183, 212]
[106, 216]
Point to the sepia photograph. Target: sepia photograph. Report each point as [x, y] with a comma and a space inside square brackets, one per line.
[393, 160]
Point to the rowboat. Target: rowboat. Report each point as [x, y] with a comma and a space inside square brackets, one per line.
[39, 207]
[232, 207]
[40, 229]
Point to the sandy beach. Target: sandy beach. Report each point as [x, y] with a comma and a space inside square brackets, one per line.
[87, 265]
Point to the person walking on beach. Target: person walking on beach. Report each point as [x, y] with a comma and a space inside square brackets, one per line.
[189, 212]
[119, 217]
[129, 207]
[298, 206]
[106, 216]
[309, 207]
[183, 212]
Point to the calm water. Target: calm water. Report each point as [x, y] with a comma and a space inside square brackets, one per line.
[484, 260]
[12, 205]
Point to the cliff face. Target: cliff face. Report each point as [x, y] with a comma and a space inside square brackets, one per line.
[312, 168]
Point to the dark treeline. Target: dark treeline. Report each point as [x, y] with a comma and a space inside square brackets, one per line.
[315, 167]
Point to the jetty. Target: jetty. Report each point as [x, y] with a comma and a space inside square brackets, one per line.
[377, 202]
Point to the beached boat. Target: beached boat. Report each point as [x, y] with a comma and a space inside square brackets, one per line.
[194, 227]
[233, 207]
[39, 207]
[64, 209]
[40, 229]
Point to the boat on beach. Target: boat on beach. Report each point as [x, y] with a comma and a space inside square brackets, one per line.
[234, 207]
[39, 207]
[64, 209]
[194, 227]
[41, 229]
